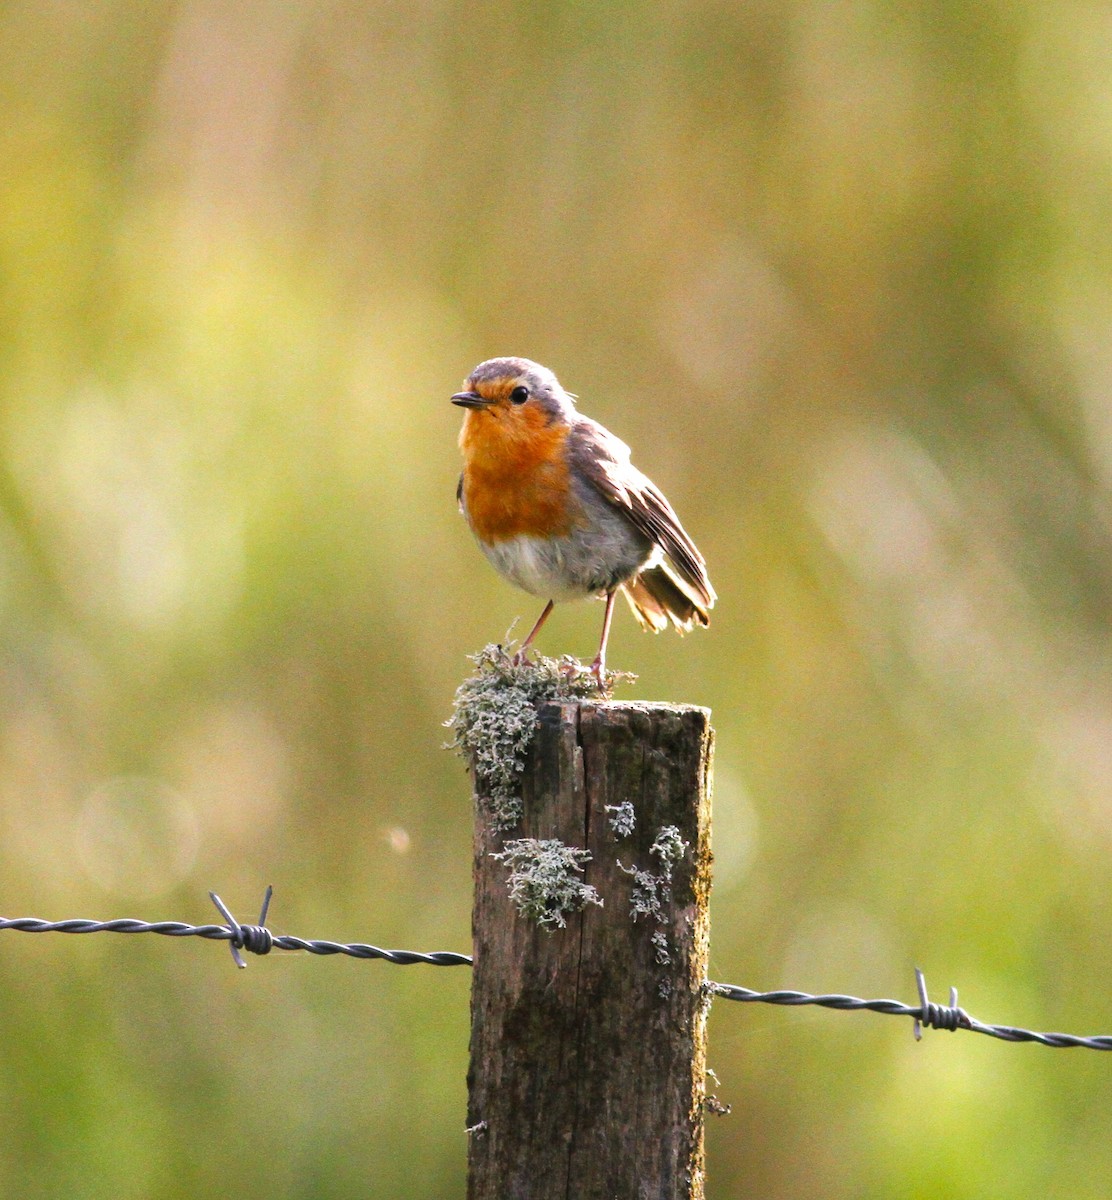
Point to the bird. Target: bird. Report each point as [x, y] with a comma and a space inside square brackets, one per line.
[560, 511]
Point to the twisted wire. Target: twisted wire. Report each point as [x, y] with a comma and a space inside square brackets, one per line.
[257, 939]
[925, 1014]
[221, 933]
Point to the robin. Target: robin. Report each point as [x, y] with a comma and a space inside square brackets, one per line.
[559, 509]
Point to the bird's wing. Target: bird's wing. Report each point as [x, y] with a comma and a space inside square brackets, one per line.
[459, 492]
[602, 459]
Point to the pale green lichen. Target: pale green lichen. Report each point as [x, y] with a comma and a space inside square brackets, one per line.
[663, 950]
[647, 892]
[650, 890]
[495, 717]
[623, 819]
[713, 1105]
[544, 880]
[668, 848]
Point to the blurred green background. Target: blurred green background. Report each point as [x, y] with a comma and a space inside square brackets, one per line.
[838, 271]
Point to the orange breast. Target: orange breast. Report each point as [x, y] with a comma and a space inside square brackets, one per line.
[515, 476]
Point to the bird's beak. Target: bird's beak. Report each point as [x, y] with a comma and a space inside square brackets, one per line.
[470, 400]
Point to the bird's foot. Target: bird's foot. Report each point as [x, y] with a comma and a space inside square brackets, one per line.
[603, 681]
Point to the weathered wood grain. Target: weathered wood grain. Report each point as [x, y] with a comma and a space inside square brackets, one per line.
[588, 1042]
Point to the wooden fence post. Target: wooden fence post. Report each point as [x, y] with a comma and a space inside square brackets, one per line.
[587, 1076]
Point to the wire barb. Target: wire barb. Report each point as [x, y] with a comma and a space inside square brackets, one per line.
[937, 1016]
[256, 939]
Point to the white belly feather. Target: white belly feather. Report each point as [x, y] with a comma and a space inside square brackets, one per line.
[536, 565]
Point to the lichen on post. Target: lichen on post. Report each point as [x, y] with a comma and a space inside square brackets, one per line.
[494, 719]
[587, 1074]
[544, 880]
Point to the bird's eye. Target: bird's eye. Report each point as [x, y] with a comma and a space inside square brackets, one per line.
[520, 394]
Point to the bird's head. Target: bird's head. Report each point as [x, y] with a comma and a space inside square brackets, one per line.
[517, 394]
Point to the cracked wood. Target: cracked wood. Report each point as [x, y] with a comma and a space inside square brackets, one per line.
[587, 1075]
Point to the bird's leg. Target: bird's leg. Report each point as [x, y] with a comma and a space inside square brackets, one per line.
[522, 656]
[598, 667]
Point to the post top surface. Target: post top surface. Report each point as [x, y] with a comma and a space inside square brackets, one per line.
[648, 707]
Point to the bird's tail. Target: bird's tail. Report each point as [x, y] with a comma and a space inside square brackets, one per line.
[659, 598]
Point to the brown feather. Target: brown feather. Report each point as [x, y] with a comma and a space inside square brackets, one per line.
[604, 461]
[657, 599]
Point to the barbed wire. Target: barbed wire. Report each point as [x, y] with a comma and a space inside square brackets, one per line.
[925, 1014]
[257, 939]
